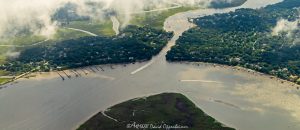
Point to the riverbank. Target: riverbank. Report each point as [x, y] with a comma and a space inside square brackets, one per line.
[241, 70]
[92, 71]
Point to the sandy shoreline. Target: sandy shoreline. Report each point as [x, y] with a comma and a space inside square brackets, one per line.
[241, 70]
[237, 69]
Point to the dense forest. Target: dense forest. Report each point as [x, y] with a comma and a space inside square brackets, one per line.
[133, 44]
[244, 38]
[158, 111]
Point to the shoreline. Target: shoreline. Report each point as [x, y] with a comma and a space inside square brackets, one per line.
[239, 69]
[48, 75]
[236, 69]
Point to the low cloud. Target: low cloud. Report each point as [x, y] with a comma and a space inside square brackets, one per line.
[12, 55]
[35, 16]
[285, 26]
[289, 29]
[19, 16]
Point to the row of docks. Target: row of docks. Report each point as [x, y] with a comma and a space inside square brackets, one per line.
[69, 74]
[80, 72]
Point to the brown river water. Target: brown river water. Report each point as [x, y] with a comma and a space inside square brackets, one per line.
[239, 99]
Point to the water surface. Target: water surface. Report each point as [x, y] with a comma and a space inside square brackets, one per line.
[239, 99]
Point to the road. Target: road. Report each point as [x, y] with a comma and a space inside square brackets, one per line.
[84, 31]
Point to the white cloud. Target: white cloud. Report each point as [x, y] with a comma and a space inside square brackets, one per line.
[285, 26]
[35, 15]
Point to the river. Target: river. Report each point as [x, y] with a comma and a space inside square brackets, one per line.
[239, 99]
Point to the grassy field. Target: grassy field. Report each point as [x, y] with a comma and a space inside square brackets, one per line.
[159, 110]
[65, 34]
[97, 27]
[3, 72]
[22, 40]
[156, 19]
[2, 59]
[3, 51]
[100, 28]
[4, 80]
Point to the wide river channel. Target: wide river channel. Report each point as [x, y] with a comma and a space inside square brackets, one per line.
[240, 99]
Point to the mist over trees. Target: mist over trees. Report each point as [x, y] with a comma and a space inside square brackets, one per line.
[41, 17]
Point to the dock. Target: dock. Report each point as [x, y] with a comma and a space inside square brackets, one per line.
[69, 76]
[101, 68]
[60, 75]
